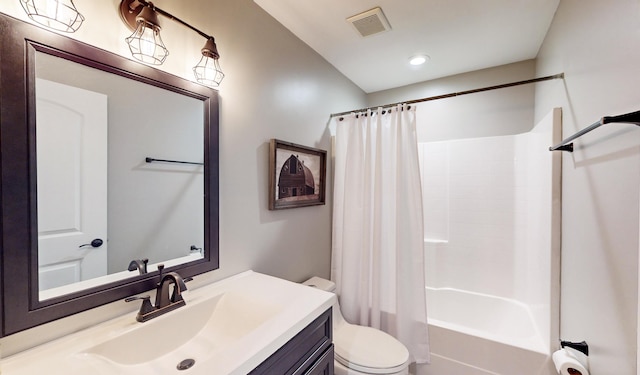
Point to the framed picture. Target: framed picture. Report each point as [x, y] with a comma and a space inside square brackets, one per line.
[296, 175]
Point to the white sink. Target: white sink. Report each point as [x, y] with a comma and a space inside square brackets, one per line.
[228, 327]
[196, 331]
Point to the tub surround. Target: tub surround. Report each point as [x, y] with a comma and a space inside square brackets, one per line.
[492, 209]
[227, 327]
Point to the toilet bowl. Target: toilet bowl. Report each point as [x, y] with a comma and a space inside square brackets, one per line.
[361, 350]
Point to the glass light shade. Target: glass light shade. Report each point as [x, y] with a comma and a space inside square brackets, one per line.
[60, 15]
[146, 45]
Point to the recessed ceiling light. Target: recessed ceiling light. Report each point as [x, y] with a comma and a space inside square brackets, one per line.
[418, 60]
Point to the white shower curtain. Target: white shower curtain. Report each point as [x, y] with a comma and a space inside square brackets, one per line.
[377, 251]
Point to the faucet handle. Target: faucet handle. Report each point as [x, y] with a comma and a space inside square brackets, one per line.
[160, 270]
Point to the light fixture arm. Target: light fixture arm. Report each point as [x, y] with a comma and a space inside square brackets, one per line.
[133, 5]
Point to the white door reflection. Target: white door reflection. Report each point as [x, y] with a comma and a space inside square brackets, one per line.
[71, 138]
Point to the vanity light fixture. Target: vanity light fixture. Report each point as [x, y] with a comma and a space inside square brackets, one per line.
[147, 46]
[60, 15]
[145, 43]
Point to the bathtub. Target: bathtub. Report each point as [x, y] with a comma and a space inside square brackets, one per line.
[478, 334]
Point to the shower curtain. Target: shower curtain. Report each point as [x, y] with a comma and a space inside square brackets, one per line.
[377, 249]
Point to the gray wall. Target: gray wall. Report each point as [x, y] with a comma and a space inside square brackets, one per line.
[276, 87]
[501, 112]
[597, 45]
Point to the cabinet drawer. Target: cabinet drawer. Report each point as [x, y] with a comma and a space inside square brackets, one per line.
[301, 352]
[324, 365]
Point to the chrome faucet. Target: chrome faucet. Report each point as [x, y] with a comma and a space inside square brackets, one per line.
[139, 264]
[166, 300]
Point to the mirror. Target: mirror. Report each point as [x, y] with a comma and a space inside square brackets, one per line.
[145, 113]
[94, 133]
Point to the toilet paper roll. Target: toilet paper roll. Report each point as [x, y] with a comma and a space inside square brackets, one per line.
[571, 362]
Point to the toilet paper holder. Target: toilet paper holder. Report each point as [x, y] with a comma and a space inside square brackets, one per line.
[579, 346]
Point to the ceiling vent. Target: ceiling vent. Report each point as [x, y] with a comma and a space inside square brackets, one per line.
[370, 22]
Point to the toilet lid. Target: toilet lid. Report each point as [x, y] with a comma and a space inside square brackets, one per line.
[365, 348]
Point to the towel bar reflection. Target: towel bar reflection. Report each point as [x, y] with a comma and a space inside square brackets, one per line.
[151, 160]
[630, 118]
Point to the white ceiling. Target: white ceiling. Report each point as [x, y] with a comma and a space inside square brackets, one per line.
[459, 35]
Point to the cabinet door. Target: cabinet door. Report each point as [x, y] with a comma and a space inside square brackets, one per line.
[302, 352]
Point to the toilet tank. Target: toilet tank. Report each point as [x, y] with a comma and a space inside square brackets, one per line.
[320, 283]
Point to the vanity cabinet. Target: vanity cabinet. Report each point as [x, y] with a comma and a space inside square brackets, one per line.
[310, 352]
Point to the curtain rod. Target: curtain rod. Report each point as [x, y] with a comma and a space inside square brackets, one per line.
[450, 95]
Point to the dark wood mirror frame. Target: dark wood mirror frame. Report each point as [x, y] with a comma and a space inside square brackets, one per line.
[21, 308]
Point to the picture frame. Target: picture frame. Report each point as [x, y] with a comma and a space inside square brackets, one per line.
[297, 175]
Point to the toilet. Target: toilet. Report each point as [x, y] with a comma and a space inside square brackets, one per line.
[361, 350]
